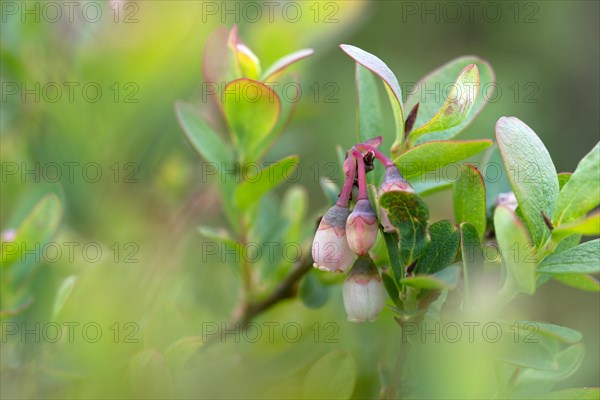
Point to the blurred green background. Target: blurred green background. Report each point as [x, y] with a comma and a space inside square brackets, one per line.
[153, 193]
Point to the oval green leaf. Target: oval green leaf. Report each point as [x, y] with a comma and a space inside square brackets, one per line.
[251, 110]
[440, 79]
[446, 279]
[584, 259]
[455, 109]
[433, 155]
[374, 64]
[275, 70]
[531, 174]
[469, 199]
[580, 193]
[516, 250]
[369, 116]
[578, 281]
[255, 187]
[410, 215]
[441, 249]
[201, 136]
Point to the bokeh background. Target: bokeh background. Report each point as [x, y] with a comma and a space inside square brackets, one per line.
[144, 209]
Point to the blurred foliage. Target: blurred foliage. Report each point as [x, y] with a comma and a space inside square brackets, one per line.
[153, 289]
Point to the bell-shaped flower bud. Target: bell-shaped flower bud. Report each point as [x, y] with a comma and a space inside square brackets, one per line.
[361, 227]
[330, 249]
[364, 293]
[393, 181]
[508, 200]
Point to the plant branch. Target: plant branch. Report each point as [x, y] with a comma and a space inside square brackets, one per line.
[287, 289]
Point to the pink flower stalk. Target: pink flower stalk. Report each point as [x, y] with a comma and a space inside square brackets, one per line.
[368, 146]
[392, 181]
[361, 226]
[330, 250]
[363, 291]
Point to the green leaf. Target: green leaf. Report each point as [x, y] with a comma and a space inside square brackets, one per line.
[580, 194]
[584, 259]
[312, 292]
[457, 106]
[254, 187]
[289, 101]
[439, 81]
[578, 281]
[555, 332]
[391, 244]
[210, 146]
[441, 249]
[435, 154]
[392, 87]
[410, 215]
[34, 232]
[469, 199]
[567, 243]
[369, 116]
[518, 351]
[201, 136]
[251, 109]
[441, 280]
[62, 295]
[332, 377]
[567, 362]
[275, 70]
[589, 226]
[531, 174]
[266, 229]
[516, 250]
[472, 255]
[392, 289]
[247, 62]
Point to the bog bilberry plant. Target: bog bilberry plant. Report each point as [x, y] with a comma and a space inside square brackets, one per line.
[381, 235]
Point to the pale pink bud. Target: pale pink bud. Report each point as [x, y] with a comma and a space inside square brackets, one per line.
[361, 227]
[330, 249]
[508, 200]
[393, 181]
[364, 293]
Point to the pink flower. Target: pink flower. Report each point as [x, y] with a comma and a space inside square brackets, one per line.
[361, 227]
[330, 249]
[364, 293]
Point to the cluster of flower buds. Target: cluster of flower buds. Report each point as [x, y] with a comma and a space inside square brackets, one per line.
[342, 235]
